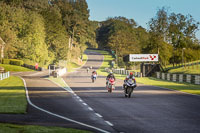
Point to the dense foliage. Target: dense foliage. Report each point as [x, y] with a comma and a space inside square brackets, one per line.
[46, 31]
[169, 35]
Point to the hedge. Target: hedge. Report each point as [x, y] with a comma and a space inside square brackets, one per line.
[13, 62]
[6, 61]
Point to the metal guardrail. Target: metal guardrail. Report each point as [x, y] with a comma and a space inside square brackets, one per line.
[188, 78]
[4, 75]
[122, 71]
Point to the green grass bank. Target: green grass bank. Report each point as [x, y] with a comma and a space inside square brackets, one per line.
[12, 96]
[13, 128]
[14, 68]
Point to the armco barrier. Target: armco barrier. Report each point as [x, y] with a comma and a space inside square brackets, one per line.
[193, 79]
[122, 71]
[4, 75]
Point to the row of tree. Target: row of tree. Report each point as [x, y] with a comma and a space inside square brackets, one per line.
[46, 31]
[169, 35]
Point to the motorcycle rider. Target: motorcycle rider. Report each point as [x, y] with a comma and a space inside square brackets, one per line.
[110, 75]
[88, 69]
[94, 75]
[130, 76]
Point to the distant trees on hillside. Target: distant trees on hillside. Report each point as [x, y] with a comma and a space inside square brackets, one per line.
[168, 35]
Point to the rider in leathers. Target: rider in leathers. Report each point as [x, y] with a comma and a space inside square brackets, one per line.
[110, 75]
[130, 76]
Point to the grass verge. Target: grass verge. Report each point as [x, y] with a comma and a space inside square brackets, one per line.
[184, 87]
[72, 66]
[195, 69]
[14, 68]
[58, 80]
[13, 100]
[12, 96]
[11, 128]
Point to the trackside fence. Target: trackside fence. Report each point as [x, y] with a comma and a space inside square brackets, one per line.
[188, 78]
[122, 71]
[4, 75]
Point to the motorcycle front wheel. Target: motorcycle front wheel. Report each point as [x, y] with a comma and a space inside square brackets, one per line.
[128, 92]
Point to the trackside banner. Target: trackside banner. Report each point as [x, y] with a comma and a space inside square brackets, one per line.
[143, 57]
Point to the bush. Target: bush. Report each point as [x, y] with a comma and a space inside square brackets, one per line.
[6, 61]
[16, 62]
[13, 62]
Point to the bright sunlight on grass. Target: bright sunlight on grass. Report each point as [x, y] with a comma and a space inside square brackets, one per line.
[12, 96]
[187, 70]
[71, 66]
[189, 88]
[10, 128]
[14, 68]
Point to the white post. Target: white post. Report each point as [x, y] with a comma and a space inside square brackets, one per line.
[197, 79]
[163, 76]
[174, 78]
[168, 76]
[180, 77]
[188, 78]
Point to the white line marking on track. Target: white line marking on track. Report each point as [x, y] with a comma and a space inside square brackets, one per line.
[109, 123]
[80, 100]
[59, 116]
[90, 108]
[85, 104]
[98, 115]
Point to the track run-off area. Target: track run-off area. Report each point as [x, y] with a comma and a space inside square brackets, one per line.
[76, 102]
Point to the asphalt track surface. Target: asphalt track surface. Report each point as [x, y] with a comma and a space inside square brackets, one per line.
[150, 109]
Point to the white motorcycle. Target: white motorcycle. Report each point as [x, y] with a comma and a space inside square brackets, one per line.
[93, 77]
[129, 86]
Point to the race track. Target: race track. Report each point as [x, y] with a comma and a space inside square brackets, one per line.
[150, 109]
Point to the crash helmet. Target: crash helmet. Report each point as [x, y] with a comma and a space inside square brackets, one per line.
[131, 74]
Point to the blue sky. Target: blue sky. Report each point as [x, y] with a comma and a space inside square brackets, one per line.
[141, 10]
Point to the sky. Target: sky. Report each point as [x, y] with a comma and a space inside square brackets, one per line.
[141, 10]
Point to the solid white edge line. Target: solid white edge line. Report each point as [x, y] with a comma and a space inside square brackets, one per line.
[98, 115]
[59, 116]
[109, 123]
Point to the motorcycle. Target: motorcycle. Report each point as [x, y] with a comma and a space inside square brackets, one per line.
[129, 86]
[93, 77]
[111, 85]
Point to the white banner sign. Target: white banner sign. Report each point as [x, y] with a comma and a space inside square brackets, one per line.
[143, 57]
